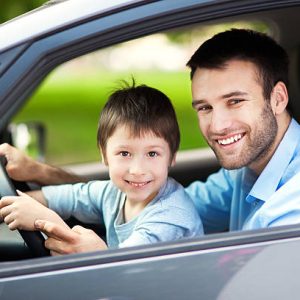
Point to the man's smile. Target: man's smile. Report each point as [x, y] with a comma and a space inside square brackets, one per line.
[230, 140]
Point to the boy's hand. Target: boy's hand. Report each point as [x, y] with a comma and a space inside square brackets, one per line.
[62, 240]
[20, 212]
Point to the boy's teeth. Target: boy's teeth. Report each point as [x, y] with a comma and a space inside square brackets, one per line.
[137, 184]
[230, 140]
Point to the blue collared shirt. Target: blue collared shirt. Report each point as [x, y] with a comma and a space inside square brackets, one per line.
[237, 199]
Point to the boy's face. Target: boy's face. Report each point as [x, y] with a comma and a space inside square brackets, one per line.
[138, 166]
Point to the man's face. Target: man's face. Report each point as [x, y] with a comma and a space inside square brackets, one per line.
[235, 119]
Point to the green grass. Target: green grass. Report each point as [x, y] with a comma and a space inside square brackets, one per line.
[70, 110]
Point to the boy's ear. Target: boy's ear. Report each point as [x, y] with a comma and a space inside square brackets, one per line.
[173, 162]
[103, 157]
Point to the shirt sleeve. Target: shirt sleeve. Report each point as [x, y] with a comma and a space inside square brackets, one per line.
[83, 201]
[165, 223]
[213, 200]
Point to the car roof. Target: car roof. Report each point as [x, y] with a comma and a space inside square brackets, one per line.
[49, 17]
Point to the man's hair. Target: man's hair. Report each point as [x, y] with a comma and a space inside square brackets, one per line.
[143, 109]
[269, 57]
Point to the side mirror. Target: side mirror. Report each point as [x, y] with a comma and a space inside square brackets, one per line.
[29, 137]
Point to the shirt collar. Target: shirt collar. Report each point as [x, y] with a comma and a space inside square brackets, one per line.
[269, 179]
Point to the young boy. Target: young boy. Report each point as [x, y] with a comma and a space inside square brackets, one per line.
[138, 136]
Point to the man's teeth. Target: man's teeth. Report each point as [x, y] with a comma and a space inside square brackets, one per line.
[230, 140]
[138, 184]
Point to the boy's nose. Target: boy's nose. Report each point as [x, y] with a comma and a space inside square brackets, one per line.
[137, 167]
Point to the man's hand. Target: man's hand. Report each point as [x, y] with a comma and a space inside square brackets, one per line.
[20, 212]
[21, 167]
[62, 240]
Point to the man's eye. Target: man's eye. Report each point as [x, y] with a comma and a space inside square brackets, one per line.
[235, 101]
[124, 153]
[152, 154]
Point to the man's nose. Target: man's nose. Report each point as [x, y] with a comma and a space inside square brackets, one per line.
[220, 121]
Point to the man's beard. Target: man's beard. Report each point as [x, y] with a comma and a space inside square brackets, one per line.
[257, 148]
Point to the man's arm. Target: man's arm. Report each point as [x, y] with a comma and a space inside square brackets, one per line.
[213, 201]
[23, 168]
[63, 240]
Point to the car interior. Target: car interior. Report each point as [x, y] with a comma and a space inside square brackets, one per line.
[192, 164]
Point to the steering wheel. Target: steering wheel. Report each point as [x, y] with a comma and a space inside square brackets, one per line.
[33, 239]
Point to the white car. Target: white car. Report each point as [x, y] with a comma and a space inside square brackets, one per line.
[258, 264]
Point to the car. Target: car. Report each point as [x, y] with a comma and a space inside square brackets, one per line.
[253, 264]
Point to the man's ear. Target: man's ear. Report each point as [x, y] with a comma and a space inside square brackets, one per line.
[279, 98]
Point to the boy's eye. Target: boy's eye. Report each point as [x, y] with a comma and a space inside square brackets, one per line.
[203, 108]
[152, 154]
[124, 153]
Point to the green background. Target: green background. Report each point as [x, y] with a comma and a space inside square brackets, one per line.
[69, 108]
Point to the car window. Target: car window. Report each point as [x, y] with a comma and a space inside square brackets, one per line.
[68, 103]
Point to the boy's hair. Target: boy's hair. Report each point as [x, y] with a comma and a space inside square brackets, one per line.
[142, 109]
[269, 57]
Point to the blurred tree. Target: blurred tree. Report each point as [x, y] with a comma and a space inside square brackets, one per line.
[189, 34]
[12, 8]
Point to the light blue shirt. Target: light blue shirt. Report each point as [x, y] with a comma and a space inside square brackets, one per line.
[171, 215]
[238, 200]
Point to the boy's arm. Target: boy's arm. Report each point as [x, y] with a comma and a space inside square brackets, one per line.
[20, 212]
[38, 196]
[23, 168]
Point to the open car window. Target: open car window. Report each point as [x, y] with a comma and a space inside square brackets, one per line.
[67, 103]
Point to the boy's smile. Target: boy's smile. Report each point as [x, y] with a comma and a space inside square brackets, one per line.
[138, 184]
[138, 165]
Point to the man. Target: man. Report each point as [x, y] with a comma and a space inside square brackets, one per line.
[239, 88]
